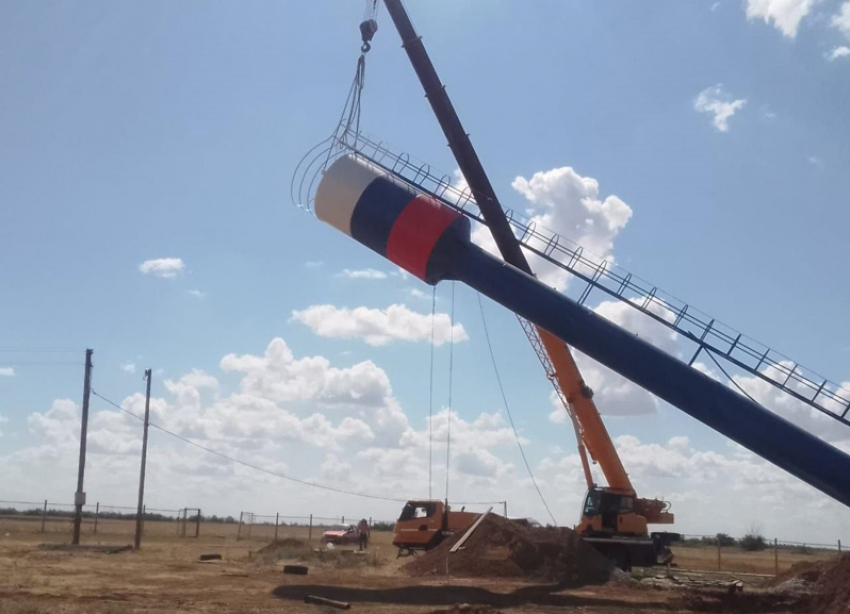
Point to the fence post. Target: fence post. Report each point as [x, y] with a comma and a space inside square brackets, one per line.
[144, 511]
[310, 531]
[276, 520]
[44, 516]
[719, 546]
[96, 514]
[198, 524]
[839, 546]
[239, 529]
[343, 520]
[776, 555]
[178, 523]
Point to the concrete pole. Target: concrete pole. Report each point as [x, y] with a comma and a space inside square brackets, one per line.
[140, 509]
[198, 524]
[44, 520]
[276, 520]
[719, 547]
[776, 555]
[80, 495]
[96, 514]
[310, 531]
[239, 527]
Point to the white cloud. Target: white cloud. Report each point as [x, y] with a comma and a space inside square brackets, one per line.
[362, 274]
[569, 204]
[379, 326]
[128, 367]
[815, 161]
[198, 293]
[786, 15]
[7, 372]
[714, 7]
[417, 293]
[841, 21]
[716, 101]
[838, 52]
[167, 268]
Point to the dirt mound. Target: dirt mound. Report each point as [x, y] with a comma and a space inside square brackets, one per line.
[500, 548]
[828, 581]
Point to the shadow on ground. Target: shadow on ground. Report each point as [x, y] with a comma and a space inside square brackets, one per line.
[450, 595]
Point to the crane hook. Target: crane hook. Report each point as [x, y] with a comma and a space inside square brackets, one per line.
[367, 33]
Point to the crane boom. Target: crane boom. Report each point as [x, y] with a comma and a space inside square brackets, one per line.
[568, 377]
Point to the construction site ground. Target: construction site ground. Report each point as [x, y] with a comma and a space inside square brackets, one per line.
[166, 575]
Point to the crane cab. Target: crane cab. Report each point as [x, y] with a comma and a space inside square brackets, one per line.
[607, 511]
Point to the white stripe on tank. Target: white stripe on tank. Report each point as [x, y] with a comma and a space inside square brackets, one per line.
[340, 189]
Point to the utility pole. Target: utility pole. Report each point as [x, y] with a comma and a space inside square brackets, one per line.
[80, 495]
[140, 509]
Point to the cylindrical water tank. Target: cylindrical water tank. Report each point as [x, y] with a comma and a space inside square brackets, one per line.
[391, 217]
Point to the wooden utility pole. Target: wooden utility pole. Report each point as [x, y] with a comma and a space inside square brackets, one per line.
[80, 495]
[140, 509]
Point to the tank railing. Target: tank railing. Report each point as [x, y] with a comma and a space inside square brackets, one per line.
[710, 335]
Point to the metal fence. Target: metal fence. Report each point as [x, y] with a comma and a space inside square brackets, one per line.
[273, 527]
[99, 519]
[766, 556]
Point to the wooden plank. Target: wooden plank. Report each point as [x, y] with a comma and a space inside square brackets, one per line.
[470, 530]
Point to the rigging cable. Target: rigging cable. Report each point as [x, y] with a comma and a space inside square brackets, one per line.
[729, 377]
[249, 465]
[451, 371]
[508, 411]
[431, 392]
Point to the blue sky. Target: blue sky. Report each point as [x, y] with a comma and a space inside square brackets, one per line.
[132, 132]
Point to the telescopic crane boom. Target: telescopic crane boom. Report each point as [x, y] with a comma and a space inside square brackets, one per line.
[609, 512]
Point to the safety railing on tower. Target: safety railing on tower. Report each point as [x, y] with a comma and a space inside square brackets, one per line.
[708, 334]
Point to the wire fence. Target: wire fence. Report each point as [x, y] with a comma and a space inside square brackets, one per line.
[99, 519]
[752, 553]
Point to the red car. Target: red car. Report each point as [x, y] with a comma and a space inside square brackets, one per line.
[342, 536]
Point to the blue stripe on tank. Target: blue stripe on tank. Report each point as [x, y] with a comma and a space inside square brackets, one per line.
[376, 212]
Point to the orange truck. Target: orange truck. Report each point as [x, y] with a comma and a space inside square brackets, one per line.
[424, 523]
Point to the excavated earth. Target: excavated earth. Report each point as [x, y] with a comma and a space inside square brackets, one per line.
[826, 582]
[501, 548]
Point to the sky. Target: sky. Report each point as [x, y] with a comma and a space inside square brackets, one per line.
[146, 155]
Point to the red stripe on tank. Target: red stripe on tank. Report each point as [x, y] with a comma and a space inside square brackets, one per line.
[415, 233]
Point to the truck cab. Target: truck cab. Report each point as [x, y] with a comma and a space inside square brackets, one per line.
[424, 522]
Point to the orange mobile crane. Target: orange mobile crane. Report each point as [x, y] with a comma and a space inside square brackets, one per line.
[614, 519]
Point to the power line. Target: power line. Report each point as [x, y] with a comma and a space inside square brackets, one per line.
[508, 411]
[249, 465]
[39, 363]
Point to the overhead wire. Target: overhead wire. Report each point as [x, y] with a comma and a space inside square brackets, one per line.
[451, 372]
[431, 392]
[249, 465]
[508, 411]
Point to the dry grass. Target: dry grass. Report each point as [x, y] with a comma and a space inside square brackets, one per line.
[737, 560]
[165, 576]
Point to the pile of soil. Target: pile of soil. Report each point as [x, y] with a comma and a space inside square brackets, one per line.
[827, 581]
[504, 549]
